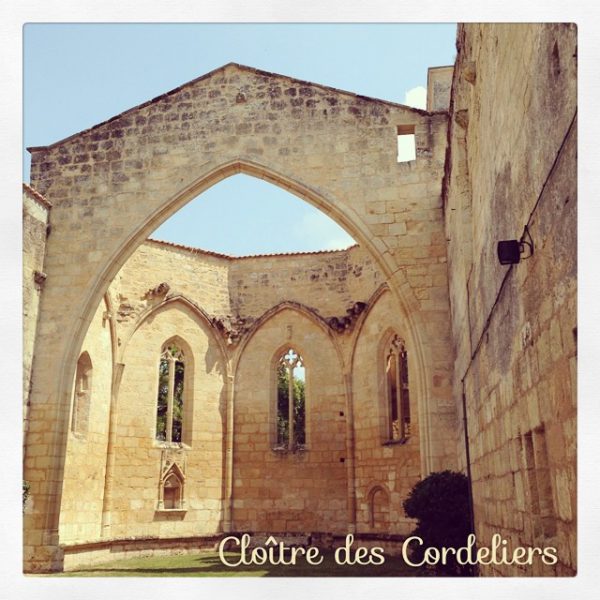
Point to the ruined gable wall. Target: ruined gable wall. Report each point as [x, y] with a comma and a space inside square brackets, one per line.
[513, 154]
[114, 184]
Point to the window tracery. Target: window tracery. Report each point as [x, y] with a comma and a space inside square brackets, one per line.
[397, 391]
[171, 375]
[291, 402]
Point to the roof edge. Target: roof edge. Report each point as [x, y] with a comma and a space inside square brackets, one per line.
[233, 257]
[36, 195]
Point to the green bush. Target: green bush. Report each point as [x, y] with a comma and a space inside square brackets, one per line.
[440, 503]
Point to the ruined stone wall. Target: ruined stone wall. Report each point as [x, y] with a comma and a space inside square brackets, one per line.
[85, 462]
[112, 185]
[512, 163]
[36, 212]
[273, 491]
[304, 491]
[328, 282]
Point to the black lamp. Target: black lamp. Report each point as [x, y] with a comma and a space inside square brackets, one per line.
[509, 251]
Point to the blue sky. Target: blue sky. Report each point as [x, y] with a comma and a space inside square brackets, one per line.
[78, 75]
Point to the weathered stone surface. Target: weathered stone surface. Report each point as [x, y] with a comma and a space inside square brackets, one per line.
[508, 169]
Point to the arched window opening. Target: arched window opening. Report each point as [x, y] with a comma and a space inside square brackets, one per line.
[82, 395]
[397, 390]
[172, 492]
[379, 508]
[291, 401]
[171, 375]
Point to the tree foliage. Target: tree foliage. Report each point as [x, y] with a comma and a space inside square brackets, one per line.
[283, 420]
[163, 393]
[440, 503]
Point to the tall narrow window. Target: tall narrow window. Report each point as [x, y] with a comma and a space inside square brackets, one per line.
[82, 395]
[379, 508]
[398, 398]
[169, 416]
[291, 405]
[539, 482]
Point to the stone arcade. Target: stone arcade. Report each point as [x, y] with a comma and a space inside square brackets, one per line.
[397, 335]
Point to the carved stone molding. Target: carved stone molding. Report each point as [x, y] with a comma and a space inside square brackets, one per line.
[159, 291]
[40, 278]
[232, 328]
[346, 322]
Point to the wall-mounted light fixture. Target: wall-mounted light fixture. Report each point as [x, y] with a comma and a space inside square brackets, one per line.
[509, 251]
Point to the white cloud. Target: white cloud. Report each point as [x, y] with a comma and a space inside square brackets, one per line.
[319, 231]
[416, 97]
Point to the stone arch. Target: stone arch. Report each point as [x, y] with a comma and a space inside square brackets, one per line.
[165, 166]
[202, 430]
[378, 503]
[282, 306]
[371, 302]
[347, 219]
[295, 342]
[202, 318]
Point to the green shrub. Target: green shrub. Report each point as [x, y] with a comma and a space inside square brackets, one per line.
[440, 503]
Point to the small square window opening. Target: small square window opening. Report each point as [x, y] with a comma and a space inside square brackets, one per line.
[407, 149]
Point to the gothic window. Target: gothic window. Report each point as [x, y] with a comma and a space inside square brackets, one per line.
[171, 373]
[291, 404]
[82, 395]
[398, 399]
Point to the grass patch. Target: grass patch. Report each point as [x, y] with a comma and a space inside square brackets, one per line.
[208, 564]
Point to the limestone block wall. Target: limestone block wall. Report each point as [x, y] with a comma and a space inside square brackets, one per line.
[276, 491]
[439, 86]
[512, 163]
[36, 213]
[85, 462]
[193, 273]
[328, 282]
[393, 467]
[138, 455]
